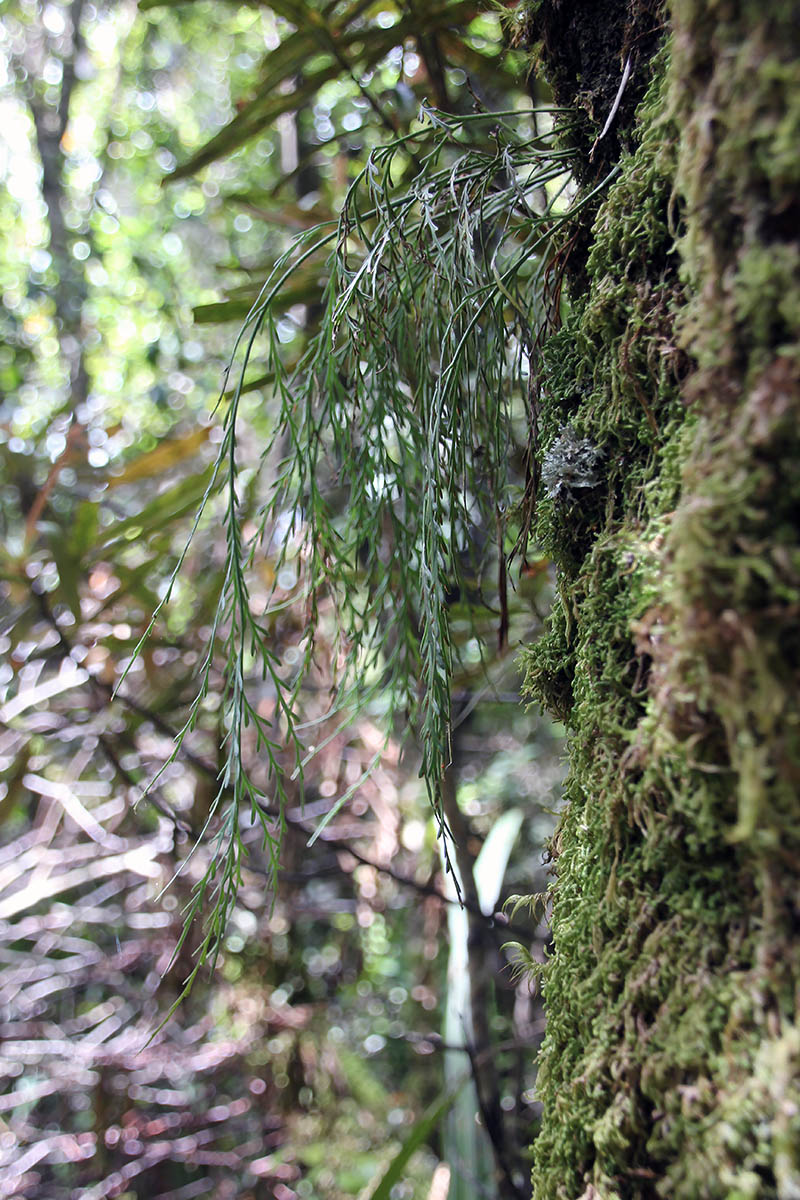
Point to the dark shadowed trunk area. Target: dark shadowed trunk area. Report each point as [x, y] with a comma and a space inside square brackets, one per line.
[668, 419]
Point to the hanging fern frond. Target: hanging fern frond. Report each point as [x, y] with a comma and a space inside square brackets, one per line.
[388, 481]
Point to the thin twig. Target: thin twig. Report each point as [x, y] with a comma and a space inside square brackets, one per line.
[626, 73]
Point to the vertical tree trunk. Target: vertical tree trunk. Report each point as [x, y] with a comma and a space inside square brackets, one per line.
[50, 121]
[672, 1061]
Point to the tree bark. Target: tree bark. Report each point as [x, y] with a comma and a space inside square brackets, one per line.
[671, 1065]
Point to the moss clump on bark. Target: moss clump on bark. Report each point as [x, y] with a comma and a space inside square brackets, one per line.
[612, 373]
[672, 1061]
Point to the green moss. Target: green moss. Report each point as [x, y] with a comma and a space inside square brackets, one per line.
[672, 1061]
[550, 670]
[612, 372]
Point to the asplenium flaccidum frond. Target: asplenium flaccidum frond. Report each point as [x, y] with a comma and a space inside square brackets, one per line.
[391, 453]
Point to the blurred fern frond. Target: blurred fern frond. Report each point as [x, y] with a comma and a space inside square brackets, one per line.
[313, 45]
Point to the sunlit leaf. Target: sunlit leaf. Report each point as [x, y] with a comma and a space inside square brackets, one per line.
[161, 458]
[419, 1134]
[169, 506]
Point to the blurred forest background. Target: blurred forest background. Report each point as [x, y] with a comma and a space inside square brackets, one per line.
[155, 163]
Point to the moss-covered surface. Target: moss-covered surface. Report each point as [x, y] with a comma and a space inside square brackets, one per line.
[582, 48]
[672, 1061]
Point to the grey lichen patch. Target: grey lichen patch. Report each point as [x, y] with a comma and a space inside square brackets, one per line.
[571, 464]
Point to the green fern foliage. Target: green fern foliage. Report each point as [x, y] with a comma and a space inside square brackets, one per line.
[388, 485]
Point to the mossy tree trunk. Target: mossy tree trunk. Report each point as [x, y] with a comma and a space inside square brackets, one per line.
[672, 1061]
